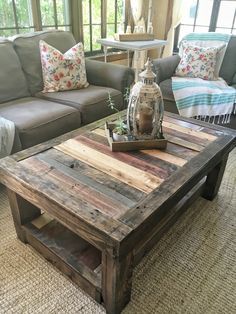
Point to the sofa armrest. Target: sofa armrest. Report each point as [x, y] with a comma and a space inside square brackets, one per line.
[110, 75]
[165, 68]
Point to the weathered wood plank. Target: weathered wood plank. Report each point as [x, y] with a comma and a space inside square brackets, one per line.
[184, 143]
[178, 154]
[125, 173]
[151, 236]
[206, 127]
[188, 137]
[70, 247]
[82, 169]
[91, 285]
[102, 198]
[187, 128]
[22, 212]
[93, 141]
[90, 224]
[147, 212]
[214, 179]
[172, 159]
[116, 282]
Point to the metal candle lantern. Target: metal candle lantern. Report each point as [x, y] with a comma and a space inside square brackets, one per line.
[145, 108]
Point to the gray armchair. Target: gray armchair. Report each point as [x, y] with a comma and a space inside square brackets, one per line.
[165, 69]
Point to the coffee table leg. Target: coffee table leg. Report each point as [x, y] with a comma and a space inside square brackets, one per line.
[116, 282]
[22, 212]
[214, 179]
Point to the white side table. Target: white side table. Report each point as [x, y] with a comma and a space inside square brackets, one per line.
[131, 45]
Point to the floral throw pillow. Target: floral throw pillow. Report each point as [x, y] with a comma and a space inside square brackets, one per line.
[62, 71]
[198, 62]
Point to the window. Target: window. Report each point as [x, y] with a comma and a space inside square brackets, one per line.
[205, 16]
[92, 19]
[15, 17]
[101, 18]
[55, 14]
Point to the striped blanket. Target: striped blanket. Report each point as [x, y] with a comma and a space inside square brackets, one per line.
[203, 99]
[7, 134]
[200, 98]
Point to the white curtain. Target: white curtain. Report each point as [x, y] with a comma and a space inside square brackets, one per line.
[176, 19]
[139, 11]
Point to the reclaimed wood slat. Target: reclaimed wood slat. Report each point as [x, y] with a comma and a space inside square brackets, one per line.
[93, 141]
[178, 154]
[79, 273]
[175, 187]
[82, 220]
[92, 191]
[184, 143]
[185, 136]
[108, 203]
[82, 169]
[165, 156]
[189, 129]
[69, 246]
[125, 173]
[206, 127]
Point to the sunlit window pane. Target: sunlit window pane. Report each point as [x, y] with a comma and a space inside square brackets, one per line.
[110, 11]
[63, 14]
[201, 29]
[23, 13]
[96, 11]
[86, 38]
[96, 35]
[223, 30]
[184, 30]
[6, 15]
[204, 12]
[110, 30]
[189, 11]
[226, 14]
[85, 6]
[47, 12]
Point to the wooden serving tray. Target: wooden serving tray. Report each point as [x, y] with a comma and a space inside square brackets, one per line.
[133, 37]
[126, 146]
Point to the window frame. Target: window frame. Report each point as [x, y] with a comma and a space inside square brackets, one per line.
[212, 26]
[75, 25]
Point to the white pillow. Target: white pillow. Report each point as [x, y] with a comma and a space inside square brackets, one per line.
[63, 71]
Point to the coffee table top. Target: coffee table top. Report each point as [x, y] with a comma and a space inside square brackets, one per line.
[114, 193]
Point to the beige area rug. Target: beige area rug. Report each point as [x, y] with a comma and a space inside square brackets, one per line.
[192, 269]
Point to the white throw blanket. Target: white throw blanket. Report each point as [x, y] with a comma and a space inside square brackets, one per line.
[203, 99]
[7, 134]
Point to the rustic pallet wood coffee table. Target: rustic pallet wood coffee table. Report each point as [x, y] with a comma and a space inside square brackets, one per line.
[94, 213]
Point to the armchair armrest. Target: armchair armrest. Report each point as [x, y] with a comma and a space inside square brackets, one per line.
[165, 68]
[110, 75]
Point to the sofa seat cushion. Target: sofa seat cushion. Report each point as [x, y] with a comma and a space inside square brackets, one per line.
[90, 101]
[38, 120]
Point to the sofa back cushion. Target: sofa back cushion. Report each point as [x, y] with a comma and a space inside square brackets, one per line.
[228, 67]
[12, 80]
[27, 48]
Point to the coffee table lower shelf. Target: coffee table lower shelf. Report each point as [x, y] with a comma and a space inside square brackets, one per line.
[75, 257]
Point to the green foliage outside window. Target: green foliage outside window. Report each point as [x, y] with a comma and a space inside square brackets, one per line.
[16, 16]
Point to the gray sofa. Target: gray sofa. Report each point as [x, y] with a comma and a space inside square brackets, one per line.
[39, 117]
[165, 69]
